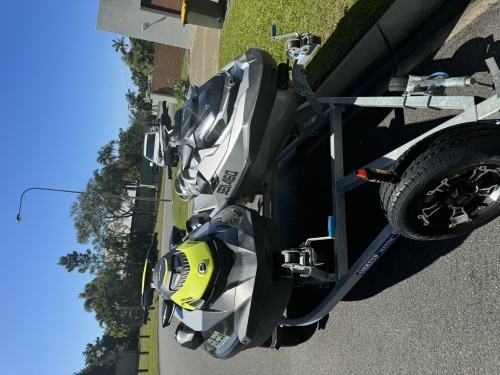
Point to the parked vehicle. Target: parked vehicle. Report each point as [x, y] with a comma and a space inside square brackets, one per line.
[158, 150]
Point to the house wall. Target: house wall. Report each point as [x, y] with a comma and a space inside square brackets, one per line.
[126, 17]
[162, 97]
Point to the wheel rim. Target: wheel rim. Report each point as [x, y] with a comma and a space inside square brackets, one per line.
[461, 198]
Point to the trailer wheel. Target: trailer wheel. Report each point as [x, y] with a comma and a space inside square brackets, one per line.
[449, 188]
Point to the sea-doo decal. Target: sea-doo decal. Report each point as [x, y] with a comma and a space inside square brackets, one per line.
[227, 182]
[385, 245]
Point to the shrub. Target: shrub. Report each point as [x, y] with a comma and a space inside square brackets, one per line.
[180, 89]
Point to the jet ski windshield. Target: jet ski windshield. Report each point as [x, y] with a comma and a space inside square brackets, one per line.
[187, 117]
[200, 113]
[209, 101]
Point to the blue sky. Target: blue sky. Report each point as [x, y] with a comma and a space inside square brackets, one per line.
[62, 97]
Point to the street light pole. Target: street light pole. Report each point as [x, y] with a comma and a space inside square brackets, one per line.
[122, 197]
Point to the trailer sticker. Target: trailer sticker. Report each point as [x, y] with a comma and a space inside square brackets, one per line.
[385, 245]
[217, 339]
[227, 182]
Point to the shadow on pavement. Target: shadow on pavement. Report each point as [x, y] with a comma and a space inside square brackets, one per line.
[403, 259]
[368, 134]
[467, 59]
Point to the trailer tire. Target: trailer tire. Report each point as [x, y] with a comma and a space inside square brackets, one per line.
[449, 185]
[397, 84]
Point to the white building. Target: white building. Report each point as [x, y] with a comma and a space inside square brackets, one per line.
[154, 20]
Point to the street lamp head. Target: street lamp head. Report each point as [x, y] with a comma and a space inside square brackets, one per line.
[145, 25]
[18, 218]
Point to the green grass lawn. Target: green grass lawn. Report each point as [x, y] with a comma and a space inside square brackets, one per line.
[180, 208]
[184, 76]
[340, 24]
[149, 332]
[148, 343]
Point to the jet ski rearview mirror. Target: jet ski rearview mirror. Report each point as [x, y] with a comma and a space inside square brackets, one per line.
[197, 220]
[192, 92]
[176, 237]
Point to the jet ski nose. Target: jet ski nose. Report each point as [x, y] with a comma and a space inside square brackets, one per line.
[183, 275]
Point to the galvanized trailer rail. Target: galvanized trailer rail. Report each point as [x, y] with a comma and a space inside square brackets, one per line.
[344, 277]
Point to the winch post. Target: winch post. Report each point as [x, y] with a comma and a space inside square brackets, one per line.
[495, 72]
[337, 154]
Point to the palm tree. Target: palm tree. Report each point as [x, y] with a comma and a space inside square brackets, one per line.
[120, 45]
[89, 293]
[107, 153]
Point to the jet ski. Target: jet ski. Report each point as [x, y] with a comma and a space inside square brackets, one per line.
[230, 130]
[224, 282]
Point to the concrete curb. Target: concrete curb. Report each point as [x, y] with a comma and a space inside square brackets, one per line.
[392, 31]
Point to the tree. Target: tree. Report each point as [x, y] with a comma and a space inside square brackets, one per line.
[102, 352]
[131, 149]
[141, 80]
[84, 262]
[120, 45]
[89, 215]
[96, 370]
[100, 295]
[180, 89]
[116, 258]
[101, 355]
[140, 58]
[114, 285]
[107, 153]
[138, 101]
[96, 217]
